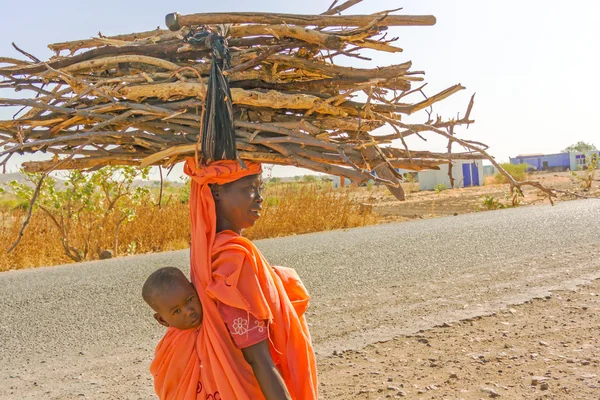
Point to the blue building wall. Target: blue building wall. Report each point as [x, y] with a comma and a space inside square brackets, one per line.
[542, 162]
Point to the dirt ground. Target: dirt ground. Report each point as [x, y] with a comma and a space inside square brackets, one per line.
[548, 348]
[428, 204]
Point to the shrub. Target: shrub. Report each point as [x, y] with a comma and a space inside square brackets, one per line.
[517, 171]
[288, 209]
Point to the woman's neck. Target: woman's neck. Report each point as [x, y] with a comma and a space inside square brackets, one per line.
[224, 225]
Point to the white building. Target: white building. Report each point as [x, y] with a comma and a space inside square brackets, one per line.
[579, 160]
[465, 173]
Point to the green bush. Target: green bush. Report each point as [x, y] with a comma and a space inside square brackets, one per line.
[517, 171]
[440, 187]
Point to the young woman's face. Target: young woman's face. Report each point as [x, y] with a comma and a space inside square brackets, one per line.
[240, 202]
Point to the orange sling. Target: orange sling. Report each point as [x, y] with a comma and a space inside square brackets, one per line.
[229, 268]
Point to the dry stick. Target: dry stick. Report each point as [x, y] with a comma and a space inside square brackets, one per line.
[161, 187]
[513, 183]
[103, 63]
[392, 71]
[34, 198]
[73, 45]
[568, 192]
[35, 59]
[26, 222]
[401, 137]
[365, 172]
[389, 164]
[68, 77]
[330, 7]
[5, 161]
[409, 92]
[451, 133]
[311, 36]
[14, 61]
[342, 7]
[255, 61]
[304, 20]
[82, 163]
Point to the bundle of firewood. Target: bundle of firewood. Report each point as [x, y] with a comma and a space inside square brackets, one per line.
[138, 99]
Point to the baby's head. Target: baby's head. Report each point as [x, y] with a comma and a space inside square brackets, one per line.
[174, 299]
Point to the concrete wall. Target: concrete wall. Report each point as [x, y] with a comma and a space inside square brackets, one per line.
[489, 170]
[544, 161]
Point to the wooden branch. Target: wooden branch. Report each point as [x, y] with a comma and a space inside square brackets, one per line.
[296, 32]
[302, 20]
[14, 61]
[341, 7]
[106, 62]
[36, 193]
[271, 99]
[78, 163]
[342, 72]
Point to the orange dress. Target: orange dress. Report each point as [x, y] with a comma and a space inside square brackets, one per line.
[226, 268]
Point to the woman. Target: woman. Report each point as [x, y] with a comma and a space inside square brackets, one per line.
[233, 278]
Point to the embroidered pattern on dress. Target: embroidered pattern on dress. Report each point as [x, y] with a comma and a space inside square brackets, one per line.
[240, 326]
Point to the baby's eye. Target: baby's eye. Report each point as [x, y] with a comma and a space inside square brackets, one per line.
[176, 311]
[190, 300]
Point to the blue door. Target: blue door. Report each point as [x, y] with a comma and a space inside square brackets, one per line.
[475, 174]
[466, 170]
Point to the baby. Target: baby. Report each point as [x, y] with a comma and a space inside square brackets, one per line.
[173, 298]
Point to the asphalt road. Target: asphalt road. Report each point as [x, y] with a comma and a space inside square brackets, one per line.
[82, 331]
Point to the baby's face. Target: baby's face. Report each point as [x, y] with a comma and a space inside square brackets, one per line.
[179, 307]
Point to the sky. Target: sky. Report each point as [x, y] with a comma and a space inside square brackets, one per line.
[534, 65]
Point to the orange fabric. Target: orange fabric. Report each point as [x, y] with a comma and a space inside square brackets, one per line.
[228, 268]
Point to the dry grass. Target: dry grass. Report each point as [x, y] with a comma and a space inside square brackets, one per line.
[304, 208]
[288, 209]
[153, 230]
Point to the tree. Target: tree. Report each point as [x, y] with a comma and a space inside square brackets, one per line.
[580, 147]
[87, 207]
[309, 178]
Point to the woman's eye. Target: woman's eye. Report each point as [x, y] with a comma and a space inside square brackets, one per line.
[190, 300]
[176, 312]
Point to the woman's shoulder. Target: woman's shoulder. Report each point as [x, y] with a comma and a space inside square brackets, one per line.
[232, 248]
[228, 241]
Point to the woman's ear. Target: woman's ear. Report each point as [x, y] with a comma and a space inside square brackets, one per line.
[215, 192]
[161, 320]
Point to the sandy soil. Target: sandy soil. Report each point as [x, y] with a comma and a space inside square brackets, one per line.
[428, 204]
[548, 348]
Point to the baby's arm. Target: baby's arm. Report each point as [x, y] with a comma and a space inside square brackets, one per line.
[269, 379]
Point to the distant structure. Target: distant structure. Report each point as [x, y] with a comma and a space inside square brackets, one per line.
[489, 170]
[338, 182]
[465, 173]
[555, 162]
